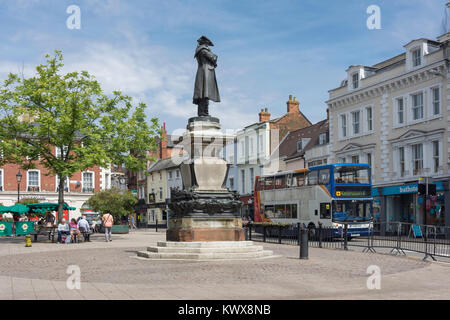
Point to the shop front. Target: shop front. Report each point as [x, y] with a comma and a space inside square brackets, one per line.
[402, 203]
[247, 211]
[141, 213]
[157, 214]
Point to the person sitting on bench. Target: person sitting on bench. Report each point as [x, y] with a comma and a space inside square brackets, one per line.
[74, 230]
[83, 224]
[63, 229]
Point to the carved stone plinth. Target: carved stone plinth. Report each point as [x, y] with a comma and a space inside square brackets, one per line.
[205, 229]
[205, 210]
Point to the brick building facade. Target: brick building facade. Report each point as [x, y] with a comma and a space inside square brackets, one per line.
[38, 184]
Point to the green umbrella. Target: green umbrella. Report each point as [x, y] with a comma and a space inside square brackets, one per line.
[43, 207]
[17, 208]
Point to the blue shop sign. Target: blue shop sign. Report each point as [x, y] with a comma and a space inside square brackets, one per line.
[404, 189]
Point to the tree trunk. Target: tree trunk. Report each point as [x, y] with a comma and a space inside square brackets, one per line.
[61, 198]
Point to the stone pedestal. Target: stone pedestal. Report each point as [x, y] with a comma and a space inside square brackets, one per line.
[206, 229]
[206, 222]
[205, 210]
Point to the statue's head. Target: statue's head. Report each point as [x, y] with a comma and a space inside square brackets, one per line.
[205, 40]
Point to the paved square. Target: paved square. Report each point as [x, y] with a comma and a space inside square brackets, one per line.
[112, 271]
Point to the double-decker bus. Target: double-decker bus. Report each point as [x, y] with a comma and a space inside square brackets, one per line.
[330, 194]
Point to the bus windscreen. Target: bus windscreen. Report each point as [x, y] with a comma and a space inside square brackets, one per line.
[351, 175]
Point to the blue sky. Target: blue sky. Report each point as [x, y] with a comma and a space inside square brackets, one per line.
[267, 49]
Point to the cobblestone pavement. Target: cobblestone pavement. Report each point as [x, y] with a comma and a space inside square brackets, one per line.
[112, 271]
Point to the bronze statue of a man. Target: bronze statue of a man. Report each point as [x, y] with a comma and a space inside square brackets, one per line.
[205, 81]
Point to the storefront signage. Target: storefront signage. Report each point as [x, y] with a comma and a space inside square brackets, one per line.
[403, 189]
[161, 205]
[36, 197]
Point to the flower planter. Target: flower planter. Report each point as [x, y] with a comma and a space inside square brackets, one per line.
[120, 228]
[6, 228]
[24, 227]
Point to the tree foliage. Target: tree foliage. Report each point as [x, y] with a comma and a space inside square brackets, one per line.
[26, 201]
[119, 203]
[72, 113]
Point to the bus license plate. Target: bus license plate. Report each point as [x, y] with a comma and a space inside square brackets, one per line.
[355, 234]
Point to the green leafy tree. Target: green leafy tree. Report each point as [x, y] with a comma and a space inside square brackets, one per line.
[70, 112]
[119, 203]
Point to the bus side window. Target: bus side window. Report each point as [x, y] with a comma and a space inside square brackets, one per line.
[289, 180]
[298, 179]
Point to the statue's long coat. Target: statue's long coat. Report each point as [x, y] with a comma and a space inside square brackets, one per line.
[205, 80]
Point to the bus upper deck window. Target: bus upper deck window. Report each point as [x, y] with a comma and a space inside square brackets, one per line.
[324, 176]
[313, 177]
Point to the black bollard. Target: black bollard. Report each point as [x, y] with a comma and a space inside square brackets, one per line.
[345, 236]
[303, 242]
[156, 225]
[320, 234]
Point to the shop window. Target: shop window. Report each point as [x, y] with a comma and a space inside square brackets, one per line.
[401, 156]
[33, 181]
[417, 150]
[417, 106]
[400, 111]
[435, 156]
[435, 94]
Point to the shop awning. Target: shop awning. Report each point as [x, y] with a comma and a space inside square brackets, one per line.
[17, 208]
[47, 206]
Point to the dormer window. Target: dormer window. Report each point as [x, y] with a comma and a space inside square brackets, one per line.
[416, 57]
[355, 80]
[299, 145]
[323, 138]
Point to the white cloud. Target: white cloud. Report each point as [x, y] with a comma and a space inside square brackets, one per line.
[149, 75]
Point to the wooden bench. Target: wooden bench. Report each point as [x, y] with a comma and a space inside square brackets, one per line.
[43, 230]
[86, 236]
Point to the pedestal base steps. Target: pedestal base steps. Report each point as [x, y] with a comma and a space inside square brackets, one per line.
[211, 250]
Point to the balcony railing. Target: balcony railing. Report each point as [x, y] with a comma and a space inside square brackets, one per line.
[33, 189]
[87, 189]
[66, 189]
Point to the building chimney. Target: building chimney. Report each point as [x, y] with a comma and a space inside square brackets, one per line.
[328, 114]
[292, 105]
[264, 115]
[163, 152]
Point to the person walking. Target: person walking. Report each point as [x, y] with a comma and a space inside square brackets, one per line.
[107, 221]
[93, 226]
[83, 225]
[133, 226]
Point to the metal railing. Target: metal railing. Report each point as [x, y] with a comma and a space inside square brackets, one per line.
[432, 241]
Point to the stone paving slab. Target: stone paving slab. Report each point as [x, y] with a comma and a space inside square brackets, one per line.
[6, 288]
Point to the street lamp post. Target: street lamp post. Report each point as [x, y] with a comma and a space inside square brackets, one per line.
[19, 178]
